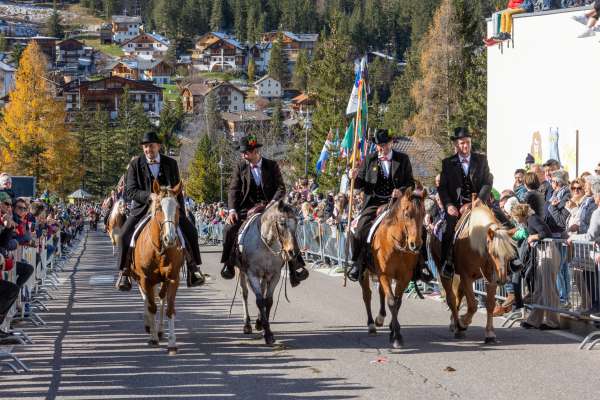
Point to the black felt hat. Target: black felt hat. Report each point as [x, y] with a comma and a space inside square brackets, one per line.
[248, 143]
[150, 137]
[460, 133]
[381, 136]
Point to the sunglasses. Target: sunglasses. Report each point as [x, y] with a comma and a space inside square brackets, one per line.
[22, 208]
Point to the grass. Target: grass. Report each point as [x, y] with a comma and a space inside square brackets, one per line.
[109, 49]
[171, 93]
[222, 76]
[83, 17]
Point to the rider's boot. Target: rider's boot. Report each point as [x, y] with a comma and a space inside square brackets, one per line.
[228, 271]
[355, 271]
[195, 277]
[124, 281]
[298, 272]
[422, 271]
[447, 270]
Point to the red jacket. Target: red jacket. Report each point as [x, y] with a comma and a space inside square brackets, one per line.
[515, 3]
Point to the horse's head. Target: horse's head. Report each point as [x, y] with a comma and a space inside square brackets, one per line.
[121, 207]
[408, 213]
[166, 211]
[279, 225]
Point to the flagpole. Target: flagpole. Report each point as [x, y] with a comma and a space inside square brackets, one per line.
[351, 198]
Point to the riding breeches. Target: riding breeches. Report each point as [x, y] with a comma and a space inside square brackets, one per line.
[361, 232]
[230, 232]
[448, 237]
[125, 239]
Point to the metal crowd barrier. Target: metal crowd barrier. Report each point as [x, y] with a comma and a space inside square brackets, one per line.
[33, 294]
[209, 233]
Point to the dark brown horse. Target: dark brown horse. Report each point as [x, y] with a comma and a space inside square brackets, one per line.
[158, 258]
[395, 246]
[481, 250]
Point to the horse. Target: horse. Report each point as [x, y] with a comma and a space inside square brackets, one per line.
[157, 259]
[116, 219]
[396, 251]
[268, 244]
[481, 250]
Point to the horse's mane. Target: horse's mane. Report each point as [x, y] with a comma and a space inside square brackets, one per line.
[115, 209]
[482, 219]
[392, 216]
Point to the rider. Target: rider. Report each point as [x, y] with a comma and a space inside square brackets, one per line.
[256, 181]
[382, 177]
[141, 173]
[463, 174]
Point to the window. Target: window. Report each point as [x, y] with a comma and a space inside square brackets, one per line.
[234, 97]
[234, 108]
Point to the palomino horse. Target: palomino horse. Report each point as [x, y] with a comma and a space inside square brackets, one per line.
[395, 246]
[481, 250]
[116, 219]
[269, 242]
[157, 259]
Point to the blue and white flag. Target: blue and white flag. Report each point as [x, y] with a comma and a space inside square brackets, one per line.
[360, 72]
[322, 162]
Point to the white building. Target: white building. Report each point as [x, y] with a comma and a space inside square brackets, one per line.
[7, 79]
[268, 87]
[146, 45]
[125, 27]
[543, 96]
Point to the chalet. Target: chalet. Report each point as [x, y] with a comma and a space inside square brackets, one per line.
[74, 58]
[106, 34]
[146, 45]
[106, 93]
[239, 124]
[7, 79]
[293, 43]
[261, 53]
[125, 27]
[268, 87]
[157, 71]
[229, 97]
[47, 45]
[216, 51]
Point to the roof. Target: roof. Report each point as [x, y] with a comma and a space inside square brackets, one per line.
[264, 78]
[155, 36]
[68, 42]
[245, 116]
[302, 37]
[145, 85]
[302, 99]
[6, 68]
[226, 38]
[205, 87]
[122, 19]
[425, 154]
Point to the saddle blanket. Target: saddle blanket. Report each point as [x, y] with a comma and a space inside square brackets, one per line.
[244, 229]
[140, 225]
[376, 225]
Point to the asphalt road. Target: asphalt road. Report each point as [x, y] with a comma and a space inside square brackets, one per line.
[94, 347]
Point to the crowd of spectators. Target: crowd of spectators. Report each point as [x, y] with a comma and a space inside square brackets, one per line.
[23, 221]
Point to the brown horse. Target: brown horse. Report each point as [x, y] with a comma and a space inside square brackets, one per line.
[116, 219]
[395, 246]
[157, 259]
[481, 250]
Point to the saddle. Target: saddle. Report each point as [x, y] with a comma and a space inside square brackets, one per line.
[140, 226]
[376, 225]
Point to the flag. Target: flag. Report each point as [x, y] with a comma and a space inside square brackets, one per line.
[348, 141]
[322, 162]
[360, 73]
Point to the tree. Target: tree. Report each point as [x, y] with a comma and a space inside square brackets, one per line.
[251, 69]
[216, 16]
[34, 139]
[53, 26]
[203, 183]
[16, 54]
[301, 72]
[171, 117]
[3, 43]
[132, 122]
[278, 63]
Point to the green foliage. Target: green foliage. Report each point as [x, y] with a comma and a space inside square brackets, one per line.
[216, 16]
[171, 118]
[203, 183]
[53, 26]
[278, 69]
[301, 72]
[131, 124]
[16, 54]
[251, 70]
[3, 43]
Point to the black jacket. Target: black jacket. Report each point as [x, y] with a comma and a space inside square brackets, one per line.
[451, 179]
[239, 186]
[138, 184]
[401, 172]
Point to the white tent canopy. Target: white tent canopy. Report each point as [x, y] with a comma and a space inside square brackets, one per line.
[80, 194]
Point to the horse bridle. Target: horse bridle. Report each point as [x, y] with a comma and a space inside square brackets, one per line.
[161, 224]
[274, 252]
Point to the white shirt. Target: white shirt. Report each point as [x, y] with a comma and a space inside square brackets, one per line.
[386, 164]
[256, 172]
[464, 163]
[154, 165]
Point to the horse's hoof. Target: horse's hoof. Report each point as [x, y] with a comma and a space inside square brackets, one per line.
[490, 340]
[147, 328]
[247, 329]
[269, 339]
[172, 351]
[161, 335]
[379, 321]
[258, 325]
[152, 342]
[372, 330]
[460, 334]
[397, 344]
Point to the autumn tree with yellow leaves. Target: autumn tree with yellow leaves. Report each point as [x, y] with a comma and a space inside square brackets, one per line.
[34, 139]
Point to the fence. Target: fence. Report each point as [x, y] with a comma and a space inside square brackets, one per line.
[209, 233]
[47, 258]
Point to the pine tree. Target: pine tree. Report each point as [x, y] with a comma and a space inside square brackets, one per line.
[33, 135]
[131, 124]
[3, 43]
[278, 62]
[171, 117]
[216, 16]
[239, 21]
[203, 184]
[301, 72]
[251, 69]
[53, 25]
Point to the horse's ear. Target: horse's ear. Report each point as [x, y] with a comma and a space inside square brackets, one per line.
[408, 192]
[155, 187]
[280, 205]
[177, 189]
[491, 232]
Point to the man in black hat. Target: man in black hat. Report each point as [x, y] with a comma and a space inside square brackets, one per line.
[255, 181]
[463, 174]
[382, 176]
[141, 173]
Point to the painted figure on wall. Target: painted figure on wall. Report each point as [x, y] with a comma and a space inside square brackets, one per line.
[536, 147]
[553, 144]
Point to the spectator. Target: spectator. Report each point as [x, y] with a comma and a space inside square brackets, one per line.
[543, 184]
[549, 166]
[558, 213]
[6, 185]
[589, 19]
[514, 7]
[574, 206]
[518, 186]
[588, 205]
[534, 197]
[593, 231]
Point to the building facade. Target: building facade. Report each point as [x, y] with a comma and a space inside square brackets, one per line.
[229, 97]
[146, 45]
[125, 28]
[268, 87]
[157, 71]
[74, 58]
[216, 51]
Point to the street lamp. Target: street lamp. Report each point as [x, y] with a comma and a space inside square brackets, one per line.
[307, 126]
[221, 165]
